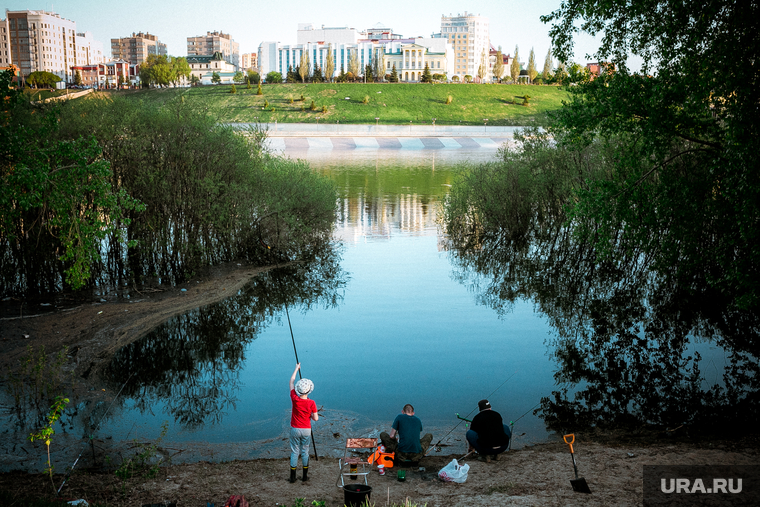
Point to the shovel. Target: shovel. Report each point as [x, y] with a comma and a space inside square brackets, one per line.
[579, 484]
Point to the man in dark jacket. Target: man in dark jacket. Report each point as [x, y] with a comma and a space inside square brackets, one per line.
[488, 435]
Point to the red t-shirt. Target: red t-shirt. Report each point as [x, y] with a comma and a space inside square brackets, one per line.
[302, 410]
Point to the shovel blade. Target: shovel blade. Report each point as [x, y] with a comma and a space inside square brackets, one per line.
[579, 485]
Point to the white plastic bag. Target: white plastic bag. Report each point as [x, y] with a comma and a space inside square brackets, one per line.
[454, 472]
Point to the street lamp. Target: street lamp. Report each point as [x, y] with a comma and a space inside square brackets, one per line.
[410, 126]
[377, 119]
[485, 122]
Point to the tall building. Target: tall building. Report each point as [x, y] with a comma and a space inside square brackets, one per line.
[468, 35]
[38, 41]
[213, 42]
[135, 49]
[89, 51]
[249, 61]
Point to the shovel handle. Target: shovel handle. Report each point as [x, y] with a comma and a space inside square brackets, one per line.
[569, 439]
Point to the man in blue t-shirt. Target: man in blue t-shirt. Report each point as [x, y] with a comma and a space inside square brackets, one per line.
[408, 427]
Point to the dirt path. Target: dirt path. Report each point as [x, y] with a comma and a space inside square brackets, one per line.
[93, 331]
[538, 475]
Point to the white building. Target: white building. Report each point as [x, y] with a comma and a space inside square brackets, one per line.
[88, 50]
[329, 35]
[469, 37]
[39, 41]
[343, 42]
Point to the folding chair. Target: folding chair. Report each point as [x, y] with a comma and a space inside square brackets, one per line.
[349, 465]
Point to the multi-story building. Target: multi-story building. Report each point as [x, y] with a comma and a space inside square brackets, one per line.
[249, 61]
[5, 45]
[135, 49]
[409, 55]
[215, 42]
[89, 51]
[468, 35]
[38, 41]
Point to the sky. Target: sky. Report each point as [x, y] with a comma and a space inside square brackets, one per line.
[251, 22]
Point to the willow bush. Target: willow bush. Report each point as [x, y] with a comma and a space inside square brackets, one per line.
[208, 193]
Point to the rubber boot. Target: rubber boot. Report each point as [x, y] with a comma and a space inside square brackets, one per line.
[305, 474]
[292, 474]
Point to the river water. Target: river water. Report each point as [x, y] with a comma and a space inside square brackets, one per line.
[403, 329]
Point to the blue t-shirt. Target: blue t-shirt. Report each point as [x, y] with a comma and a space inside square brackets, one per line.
[409, 428]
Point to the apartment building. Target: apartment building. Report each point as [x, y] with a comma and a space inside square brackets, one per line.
[88, 50]
[5, 45]
[215, 42]
[409, 55]
[249, 61]
[38, 41]
[469, 38]
[135, 49]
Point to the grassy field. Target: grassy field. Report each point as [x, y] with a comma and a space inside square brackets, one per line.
[394, 104]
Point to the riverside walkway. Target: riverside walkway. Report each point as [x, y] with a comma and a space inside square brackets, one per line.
[297, 137]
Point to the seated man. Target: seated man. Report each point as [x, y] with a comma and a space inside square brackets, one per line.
[488, 434]
[410, 447]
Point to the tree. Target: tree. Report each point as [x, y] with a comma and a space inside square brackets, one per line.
[274, 77]
[687, 135]
[216, 78]
[303, 67]
[42, 78]
[427, 77]
[180, 69]
[316, 76]
[238, 77]
[78, 78]
[394, 74]
[292, 75]
[158, 70]
[547, 72]
[498, 66]
[57, 204]
[378, 61]
[329, 65]
[353, 62]
[253, 77]
[514, 69]
[532, 72]
[194, 79]
[483, 67]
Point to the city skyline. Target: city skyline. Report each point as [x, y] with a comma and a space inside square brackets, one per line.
[249, 25]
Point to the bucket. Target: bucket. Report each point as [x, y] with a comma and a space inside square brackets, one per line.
[355, 495]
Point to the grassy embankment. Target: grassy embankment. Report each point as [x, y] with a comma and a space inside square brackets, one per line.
[393, 104]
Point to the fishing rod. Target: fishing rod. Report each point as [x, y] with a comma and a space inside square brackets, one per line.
[292, 337]
[468, 415]
[92, 436]
[512, 423]
[313, 443]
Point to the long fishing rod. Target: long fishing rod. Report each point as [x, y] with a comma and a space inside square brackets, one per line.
[92, 435]
[468, 415]
[293, 339]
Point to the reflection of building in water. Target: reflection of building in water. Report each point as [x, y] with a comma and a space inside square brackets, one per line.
[362, 215]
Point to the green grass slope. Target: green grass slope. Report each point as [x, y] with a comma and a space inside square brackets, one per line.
[394, 104]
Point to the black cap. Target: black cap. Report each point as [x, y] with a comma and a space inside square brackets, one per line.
[483, 405]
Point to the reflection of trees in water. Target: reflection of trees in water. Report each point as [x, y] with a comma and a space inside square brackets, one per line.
[191, 364]
[623, 336]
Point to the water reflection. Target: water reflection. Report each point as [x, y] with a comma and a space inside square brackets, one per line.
[191, 365]
[630, 350]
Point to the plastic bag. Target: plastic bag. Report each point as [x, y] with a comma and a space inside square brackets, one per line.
[454, 472]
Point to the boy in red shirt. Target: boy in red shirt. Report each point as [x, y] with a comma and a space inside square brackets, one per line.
[304, 410]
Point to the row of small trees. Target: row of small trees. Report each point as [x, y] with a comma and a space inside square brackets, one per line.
[563, 74]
